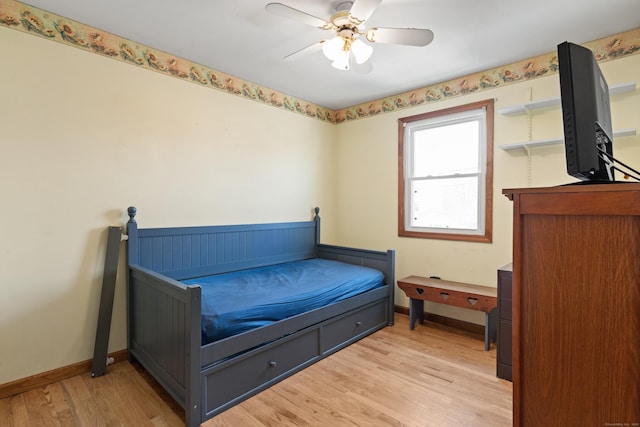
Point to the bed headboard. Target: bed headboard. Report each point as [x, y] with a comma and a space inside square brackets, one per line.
[185, 252]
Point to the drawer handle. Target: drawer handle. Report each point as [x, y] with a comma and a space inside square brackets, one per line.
[472, 301]
[419, 291]
[358, 323]
[273, 364]
[444, 295]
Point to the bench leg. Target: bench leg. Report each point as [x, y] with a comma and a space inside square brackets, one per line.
[490, 328]
[416, 312]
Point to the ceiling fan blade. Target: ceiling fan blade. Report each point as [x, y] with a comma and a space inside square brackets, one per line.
[363, 9]
[405, 36]
[316, 47]
[295, 14]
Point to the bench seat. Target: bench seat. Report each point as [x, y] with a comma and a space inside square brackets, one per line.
[465, 295]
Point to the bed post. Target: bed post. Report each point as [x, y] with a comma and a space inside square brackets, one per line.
[316, 218]
[132, 255]
[193, 402]
[132, 236]
[391, 268]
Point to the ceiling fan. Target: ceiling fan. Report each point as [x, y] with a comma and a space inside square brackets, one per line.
[348, 24]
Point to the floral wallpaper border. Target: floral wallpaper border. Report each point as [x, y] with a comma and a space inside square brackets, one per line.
[22, 17]
[605, 49]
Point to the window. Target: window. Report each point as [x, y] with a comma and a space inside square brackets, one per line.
[445, 173]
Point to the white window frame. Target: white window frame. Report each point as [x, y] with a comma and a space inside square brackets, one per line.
[481, 112]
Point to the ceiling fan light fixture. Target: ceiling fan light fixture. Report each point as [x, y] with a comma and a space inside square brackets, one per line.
[342, 62]
[333, 48]
[361, 51]
[341, 48]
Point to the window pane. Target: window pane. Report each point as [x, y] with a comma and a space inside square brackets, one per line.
[445, 173]
[445, 203]
[446, 150]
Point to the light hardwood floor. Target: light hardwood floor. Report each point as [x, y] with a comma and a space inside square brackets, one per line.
[431, 376]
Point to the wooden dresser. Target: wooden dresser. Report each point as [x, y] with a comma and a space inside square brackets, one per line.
[576, 305]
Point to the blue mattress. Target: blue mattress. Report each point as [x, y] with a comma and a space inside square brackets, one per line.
[236, 302]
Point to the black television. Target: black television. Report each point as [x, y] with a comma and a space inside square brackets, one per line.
[586, 115]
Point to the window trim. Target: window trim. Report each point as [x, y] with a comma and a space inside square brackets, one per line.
[485, 237]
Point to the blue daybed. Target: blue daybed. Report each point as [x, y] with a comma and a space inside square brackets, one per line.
[201, 322]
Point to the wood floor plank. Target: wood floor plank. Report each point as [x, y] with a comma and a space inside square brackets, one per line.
[110, 401]
[154, 407]
[40, 408]
[6, 413]
[19, 411]
[431, 376]
[82, 403]
[60, 405]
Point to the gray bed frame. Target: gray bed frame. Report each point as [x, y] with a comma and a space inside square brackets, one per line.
[164, 315]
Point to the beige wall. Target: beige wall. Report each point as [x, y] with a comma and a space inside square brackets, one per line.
[83, 137]
[368, 166]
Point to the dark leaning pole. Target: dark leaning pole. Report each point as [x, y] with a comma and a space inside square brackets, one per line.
[100, 361]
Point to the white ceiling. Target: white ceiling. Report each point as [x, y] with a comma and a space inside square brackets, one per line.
[240, 38]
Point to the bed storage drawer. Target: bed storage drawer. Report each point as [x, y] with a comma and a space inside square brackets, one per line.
[227, 382]
[344, 330]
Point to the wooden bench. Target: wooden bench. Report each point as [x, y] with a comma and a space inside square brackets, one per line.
[474, 297]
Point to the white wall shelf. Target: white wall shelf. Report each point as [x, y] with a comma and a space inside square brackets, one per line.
[530, 106]
[553, 141]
